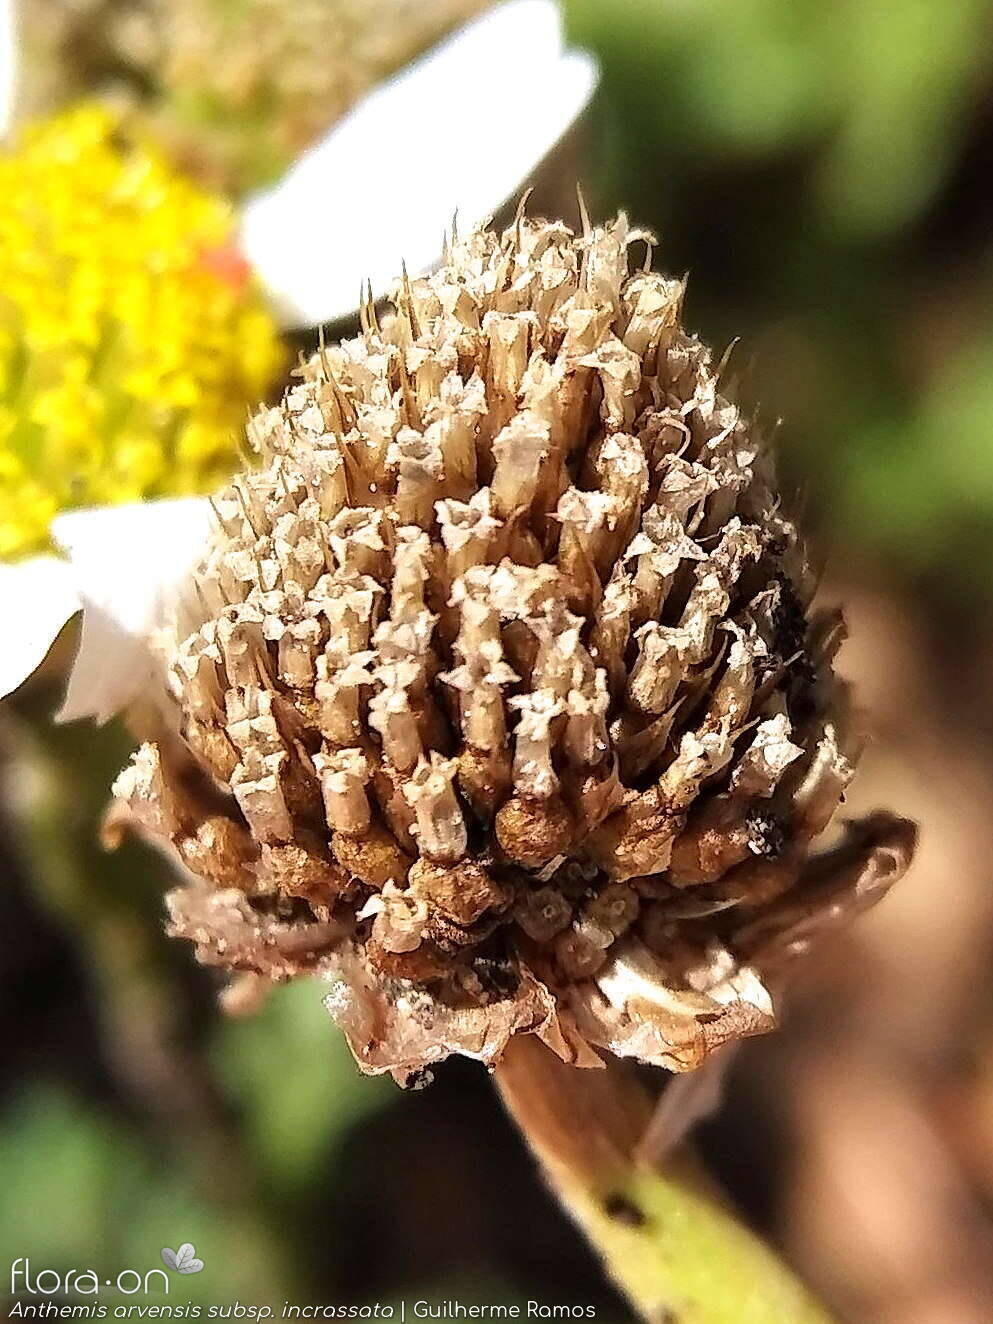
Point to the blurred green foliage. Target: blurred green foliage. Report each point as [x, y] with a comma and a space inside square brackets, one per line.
[823, 173]
[292, 1118]
[82, 1191]
[85, 1188]
[881, 86]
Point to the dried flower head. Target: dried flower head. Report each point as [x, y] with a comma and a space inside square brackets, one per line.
[126, 356]
[500, 705]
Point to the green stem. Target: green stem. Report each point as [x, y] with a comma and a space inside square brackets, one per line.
[671, 1245]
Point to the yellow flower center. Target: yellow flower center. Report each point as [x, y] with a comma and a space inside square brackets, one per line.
[131, 340]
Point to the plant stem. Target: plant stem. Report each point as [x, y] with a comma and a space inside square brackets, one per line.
[671, 1245]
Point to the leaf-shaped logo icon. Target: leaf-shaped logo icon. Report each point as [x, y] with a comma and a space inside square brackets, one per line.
[183, 1260]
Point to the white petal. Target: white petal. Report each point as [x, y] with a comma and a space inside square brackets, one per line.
[37, 597]
[8, 63]
[127, 561]
[458, 131]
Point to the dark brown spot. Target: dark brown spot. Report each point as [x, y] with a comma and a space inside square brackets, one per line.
[765, 835]
[418, 1080]
[622, 1209]
[499, 977]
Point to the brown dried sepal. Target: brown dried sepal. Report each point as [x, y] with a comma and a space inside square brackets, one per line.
[532, 832]
[720, 836]
[219, 850]
[425, 964]
[304, 868]
[228, 930]
[463, 892]
[639, 838]
[374, 859]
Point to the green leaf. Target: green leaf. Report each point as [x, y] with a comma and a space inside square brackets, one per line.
[295, 1081]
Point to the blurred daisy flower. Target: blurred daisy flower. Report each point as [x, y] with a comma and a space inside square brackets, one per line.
[134, 331]
[235, 90]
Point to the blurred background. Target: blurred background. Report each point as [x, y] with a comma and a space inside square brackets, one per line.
[825, 174]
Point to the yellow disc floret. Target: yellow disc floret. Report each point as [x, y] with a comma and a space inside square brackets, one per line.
[131, 338]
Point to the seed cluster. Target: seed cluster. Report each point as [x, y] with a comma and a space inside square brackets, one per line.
[499, 703]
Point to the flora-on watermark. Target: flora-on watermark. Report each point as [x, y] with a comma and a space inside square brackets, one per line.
[183, 1260]
[26, 1281]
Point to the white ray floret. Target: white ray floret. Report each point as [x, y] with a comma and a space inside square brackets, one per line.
[37, 597]
[126, 562]
[459, 131]
[123, 565]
